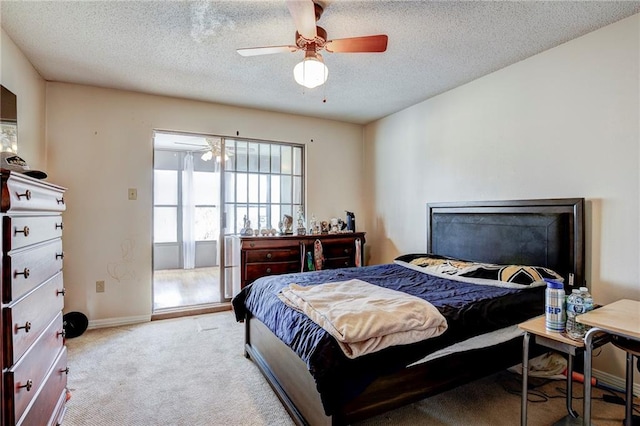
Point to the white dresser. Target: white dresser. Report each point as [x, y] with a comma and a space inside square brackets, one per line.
[34, 357]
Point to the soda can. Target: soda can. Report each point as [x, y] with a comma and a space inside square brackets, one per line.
[554, 307]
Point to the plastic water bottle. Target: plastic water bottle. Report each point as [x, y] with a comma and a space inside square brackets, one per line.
[554, 307]
[587, 299]
[573, 327]
[579, 302]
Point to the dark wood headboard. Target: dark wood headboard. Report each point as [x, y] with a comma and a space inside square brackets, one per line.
[547, 233]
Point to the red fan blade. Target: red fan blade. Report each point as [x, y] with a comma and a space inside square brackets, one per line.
[304, 17]
[374, 43]
[267, 50]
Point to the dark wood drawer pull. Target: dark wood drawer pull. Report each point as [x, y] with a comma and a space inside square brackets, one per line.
[59, 226]
[346, 263]
[25, 273]
[65, 370]
[269, 256]
[27, 194]
[27, 386]
[26, 327]
[60, 200]
[59, 255]
[24, 231]
[61, 333]
[268, 270]
[62, 292]
[346, 251]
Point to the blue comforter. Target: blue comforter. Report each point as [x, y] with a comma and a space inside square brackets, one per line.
[470, 310]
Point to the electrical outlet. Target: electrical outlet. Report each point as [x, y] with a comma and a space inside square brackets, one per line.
[133, 194]
[99, 286]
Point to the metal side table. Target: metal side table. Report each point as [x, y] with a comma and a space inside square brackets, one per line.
[559, 342]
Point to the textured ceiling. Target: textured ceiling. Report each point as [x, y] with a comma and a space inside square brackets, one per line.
[188, 49]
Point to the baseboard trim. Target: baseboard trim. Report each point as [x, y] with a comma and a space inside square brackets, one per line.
[190, 311]
[114, 322]
[164, 314]
[615, 381]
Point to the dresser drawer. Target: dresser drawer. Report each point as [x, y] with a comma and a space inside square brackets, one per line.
[26, 318]
[273, 255]
[24, 269]
[47, 402]
[26, 377]
[337, 262]
[338, 250]
[257, 270]
[26, 194]
[22, 231]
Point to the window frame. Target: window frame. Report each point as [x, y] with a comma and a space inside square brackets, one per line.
[235, 209]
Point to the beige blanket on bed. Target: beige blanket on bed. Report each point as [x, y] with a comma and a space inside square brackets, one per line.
[363, 317]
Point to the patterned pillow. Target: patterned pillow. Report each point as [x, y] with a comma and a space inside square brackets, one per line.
[517, 274]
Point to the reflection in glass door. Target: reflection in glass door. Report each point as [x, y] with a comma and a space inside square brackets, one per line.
[186, 249]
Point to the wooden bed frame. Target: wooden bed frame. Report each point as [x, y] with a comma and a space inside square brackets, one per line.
[536, 232]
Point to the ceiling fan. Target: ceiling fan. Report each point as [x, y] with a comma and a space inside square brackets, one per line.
[312, 71]
[212, 149]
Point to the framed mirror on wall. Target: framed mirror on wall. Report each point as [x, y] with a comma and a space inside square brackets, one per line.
[8, 120]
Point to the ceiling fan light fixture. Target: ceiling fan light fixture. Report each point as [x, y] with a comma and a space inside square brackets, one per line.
[208, 155]
[311, 71]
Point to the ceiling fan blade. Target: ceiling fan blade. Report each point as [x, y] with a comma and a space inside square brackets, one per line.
[267, 50]
[374, 43]
[191, 144]
[304, 17]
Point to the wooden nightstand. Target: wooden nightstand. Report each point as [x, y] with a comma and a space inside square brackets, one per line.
[559, 342]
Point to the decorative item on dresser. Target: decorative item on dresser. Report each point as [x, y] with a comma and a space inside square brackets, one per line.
[34, 357]
[261, 256]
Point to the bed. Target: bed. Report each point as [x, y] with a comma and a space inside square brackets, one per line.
[318, 386]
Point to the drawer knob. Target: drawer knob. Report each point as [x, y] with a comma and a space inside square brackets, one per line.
[25, 273]
[346, 251]
[26, 194]
[65, 370]
[269, 256]
[252, 244]
[59, 226]
[268, 270]
[346, 263]
[61, 333]
[24, 231]
[26, 327]
[62, 292]
[59, 255]
[60, 200]
[27, 385]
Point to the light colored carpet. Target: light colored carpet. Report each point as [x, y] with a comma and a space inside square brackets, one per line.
[191, 371]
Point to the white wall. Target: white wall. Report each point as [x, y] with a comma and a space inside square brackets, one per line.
[564, 123]
[100, 144]
[19, 76]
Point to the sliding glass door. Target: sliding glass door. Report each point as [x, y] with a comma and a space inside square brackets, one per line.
[263, 181]
[206, 190]
[187, 218]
